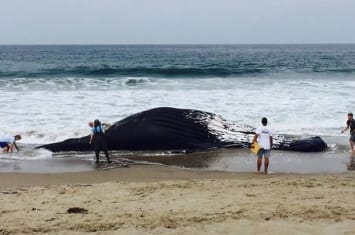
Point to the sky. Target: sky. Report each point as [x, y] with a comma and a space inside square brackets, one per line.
[176, 21]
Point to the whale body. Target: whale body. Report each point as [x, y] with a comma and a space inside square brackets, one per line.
[168, 128]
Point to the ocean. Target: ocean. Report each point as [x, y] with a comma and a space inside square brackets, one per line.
[50, 93]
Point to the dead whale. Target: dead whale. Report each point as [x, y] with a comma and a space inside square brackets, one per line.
[168, 128]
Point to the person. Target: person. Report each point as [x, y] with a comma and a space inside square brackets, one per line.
[7, 143]
[350, 124]
[264, 134]
[98, 138]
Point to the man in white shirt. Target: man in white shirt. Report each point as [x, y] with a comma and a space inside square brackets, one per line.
[9, 142]
[264, 134]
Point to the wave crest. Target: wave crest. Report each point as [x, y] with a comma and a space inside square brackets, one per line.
[116, 71]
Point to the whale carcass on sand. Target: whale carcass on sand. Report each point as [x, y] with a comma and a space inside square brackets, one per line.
[182, 129]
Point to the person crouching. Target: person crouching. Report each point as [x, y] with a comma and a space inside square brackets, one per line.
[8, 143]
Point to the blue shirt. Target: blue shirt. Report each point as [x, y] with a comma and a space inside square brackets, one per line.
[98, 129]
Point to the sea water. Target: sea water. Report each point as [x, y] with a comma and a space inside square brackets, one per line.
[50, 93]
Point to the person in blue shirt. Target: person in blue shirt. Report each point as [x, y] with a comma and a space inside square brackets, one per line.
[98, 139]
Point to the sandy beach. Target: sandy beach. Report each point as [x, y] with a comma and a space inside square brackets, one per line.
[168, 200]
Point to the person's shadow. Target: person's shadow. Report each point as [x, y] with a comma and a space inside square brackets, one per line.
[351, 164]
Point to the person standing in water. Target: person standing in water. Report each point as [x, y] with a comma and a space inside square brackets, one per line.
[264, 134]
[98, 138]
[350, 124]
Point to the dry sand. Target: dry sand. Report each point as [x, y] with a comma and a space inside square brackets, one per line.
[165, 200]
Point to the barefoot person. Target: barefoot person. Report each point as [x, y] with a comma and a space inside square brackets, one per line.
[98, 138]
[264, 134]
[7, 143]
[350, 124]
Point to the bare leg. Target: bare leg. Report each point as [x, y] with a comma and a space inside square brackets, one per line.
[351, 146]
[11, 148]
[6, 149]
[266, 164]
[258, 164]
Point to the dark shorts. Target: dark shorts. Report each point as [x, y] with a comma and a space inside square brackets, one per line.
[352, 138]
[99, 142]
[264, 152]
[3, 144]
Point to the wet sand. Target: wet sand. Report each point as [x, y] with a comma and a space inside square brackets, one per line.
[335, 160]
[45, 166]
[168, 200]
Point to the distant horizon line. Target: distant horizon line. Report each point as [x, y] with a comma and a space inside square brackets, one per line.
[168, 44]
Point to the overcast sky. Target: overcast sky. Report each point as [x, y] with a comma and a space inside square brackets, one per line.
[176, 21]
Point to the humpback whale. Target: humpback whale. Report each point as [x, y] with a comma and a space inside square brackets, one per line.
[167, 128]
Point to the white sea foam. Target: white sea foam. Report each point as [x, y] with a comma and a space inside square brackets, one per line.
[26, 153]
[56, 109]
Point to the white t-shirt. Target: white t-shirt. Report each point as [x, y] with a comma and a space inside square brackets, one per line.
[264, 133]
[7, 139]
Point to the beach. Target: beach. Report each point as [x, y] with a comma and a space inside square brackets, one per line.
[170, 200]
